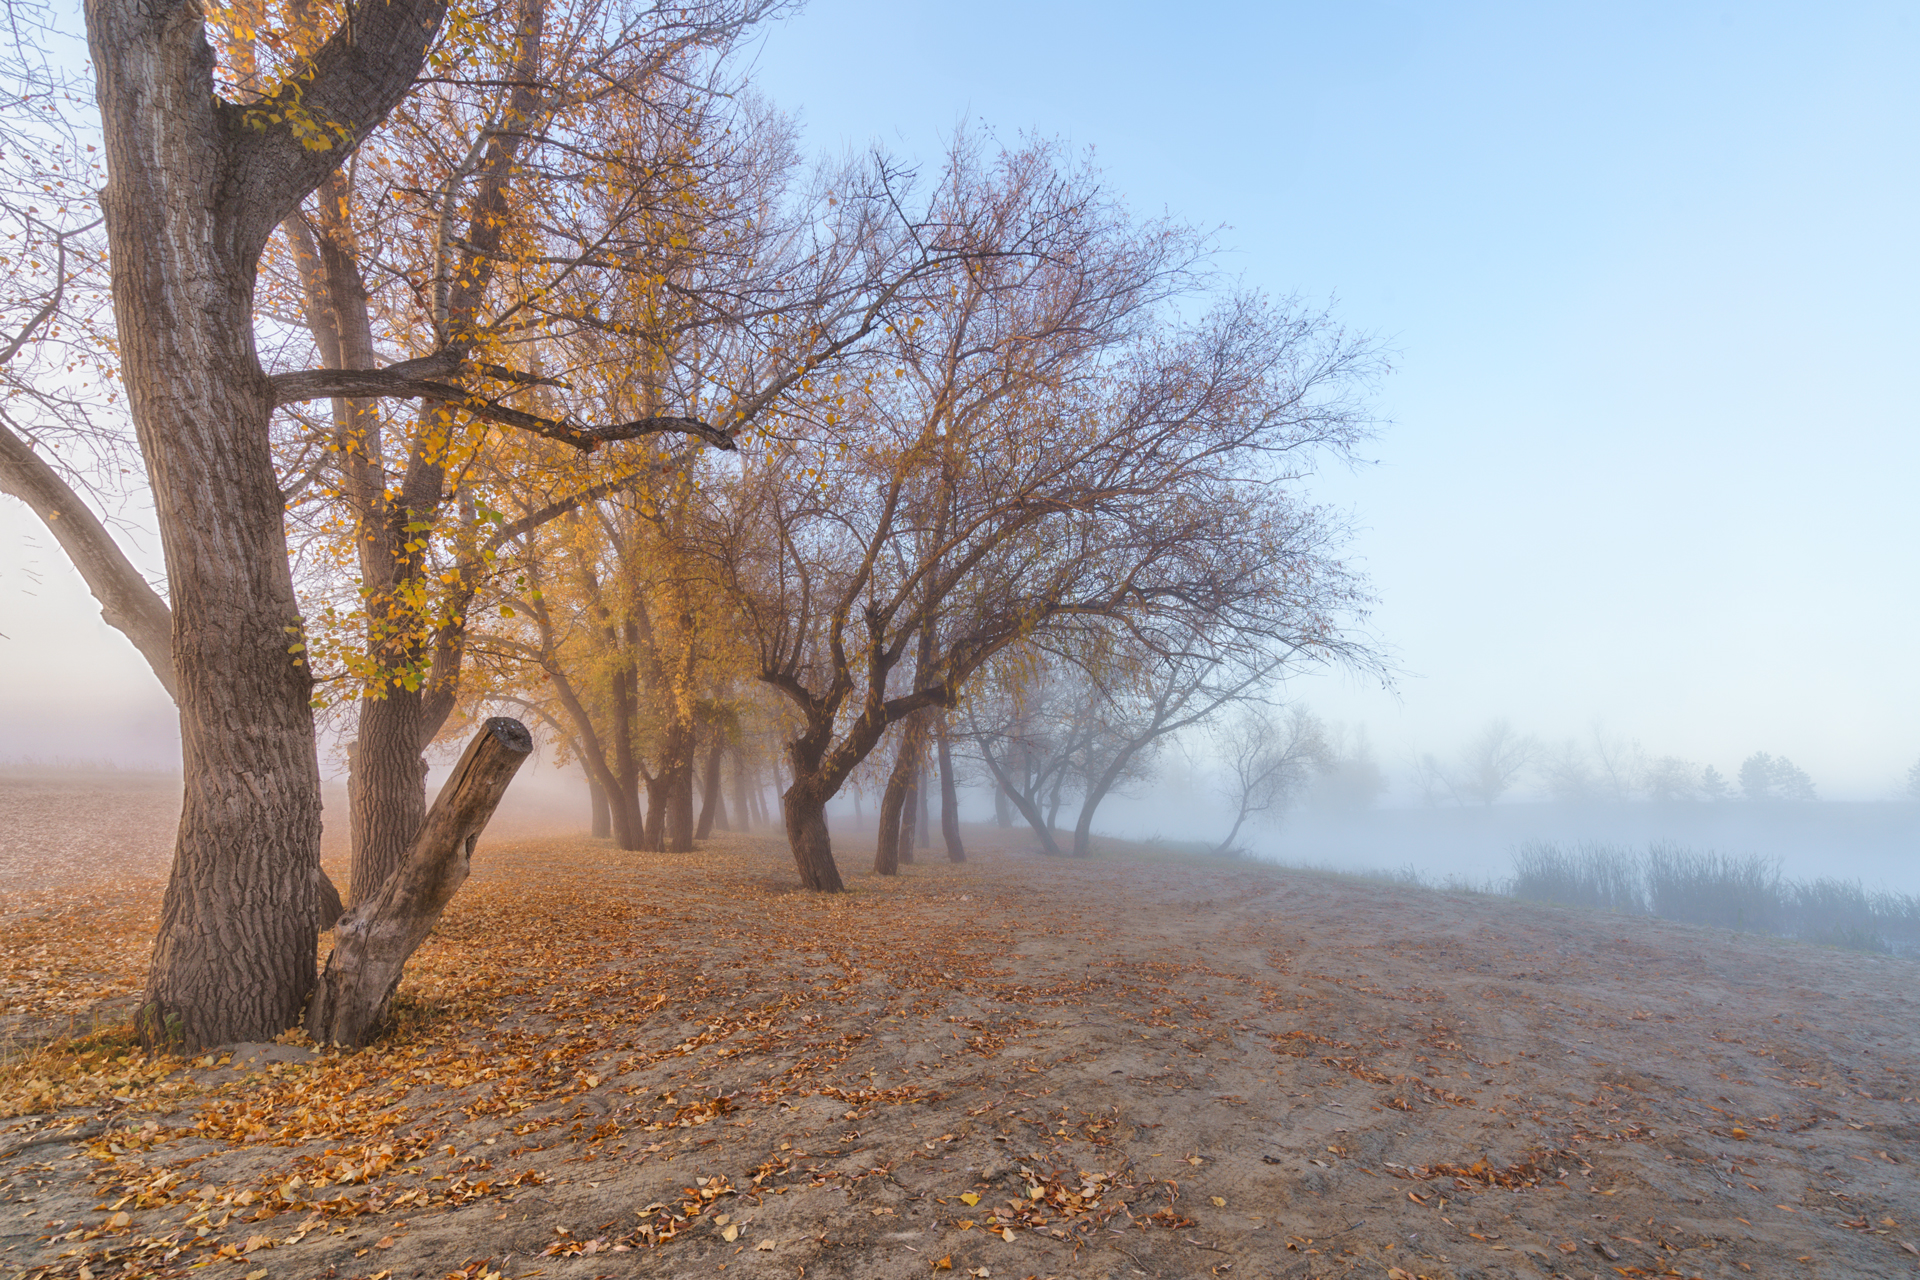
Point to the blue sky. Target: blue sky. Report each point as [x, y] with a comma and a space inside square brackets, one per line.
[1651, 278]
[1650, 275]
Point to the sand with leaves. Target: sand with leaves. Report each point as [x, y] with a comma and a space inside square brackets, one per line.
[611, 1064]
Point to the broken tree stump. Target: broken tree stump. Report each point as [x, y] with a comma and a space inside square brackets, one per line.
[373, 941]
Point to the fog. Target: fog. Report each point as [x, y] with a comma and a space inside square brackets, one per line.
[1645, 461]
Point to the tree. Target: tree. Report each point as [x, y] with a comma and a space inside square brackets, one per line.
[197, 183]
[195, 186]
[1713, 784]
[500, 225]
[1766, 777]
[58, 411]
[1913, 781]
[1349, 777]
[1268, 764]
[1492, 761]
[1670, 778]
[1607, 769]
[1038, 443]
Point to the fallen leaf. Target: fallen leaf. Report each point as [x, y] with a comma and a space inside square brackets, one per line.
[1908, 1245]
[731, 1233]
[1193, 1160]
[944, 1264]
[384, 1242]
[1218, 1203]
[765, 1246]
[1006, 1233]
[261, 1274]
[970, 1198]
[119, 1220]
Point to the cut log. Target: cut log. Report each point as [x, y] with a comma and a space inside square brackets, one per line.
[373, 941]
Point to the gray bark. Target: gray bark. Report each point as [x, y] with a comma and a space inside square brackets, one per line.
[373, 941]
[195, 185]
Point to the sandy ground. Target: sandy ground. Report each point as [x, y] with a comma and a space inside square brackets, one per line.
[611, 1064]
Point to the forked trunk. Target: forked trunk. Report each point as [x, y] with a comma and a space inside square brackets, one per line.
[806, 817]
[659, 800]
[893, 810]
[1024, 803]
[374, 940]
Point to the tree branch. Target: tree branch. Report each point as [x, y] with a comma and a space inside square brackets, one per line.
[127, 603]
[401, 381]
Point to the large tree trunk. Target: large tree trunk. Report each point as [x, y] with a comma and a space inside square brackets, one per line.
[233, 959]
[374, 940]
[806, 815]
[949, 799]
[193, 191]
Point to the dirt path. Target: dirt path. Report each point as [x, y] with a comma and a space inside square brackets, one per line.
[1022, 1067]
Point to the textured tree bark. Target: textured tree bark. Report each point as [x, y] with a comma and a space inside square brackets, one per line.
[949, 799]
[127, 603]
[373, 941]
[806, 816]
[388, 790]
[194, 188]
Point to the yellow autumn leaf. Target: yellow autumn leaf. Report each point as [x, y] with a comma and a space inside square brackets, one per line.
[970, 1198]
[731, 1233]
[1218, 1203]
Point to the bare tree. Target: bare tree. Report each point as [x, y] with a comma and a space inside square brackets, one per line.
[1492, 761]
[1037, 444]
[1269, 762]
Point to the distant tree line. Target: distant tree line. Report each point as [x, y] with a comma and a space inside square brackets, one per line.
[1602, 769]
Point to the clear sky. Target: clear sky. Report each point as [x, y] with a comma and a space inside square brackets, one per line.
[1650, 275]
